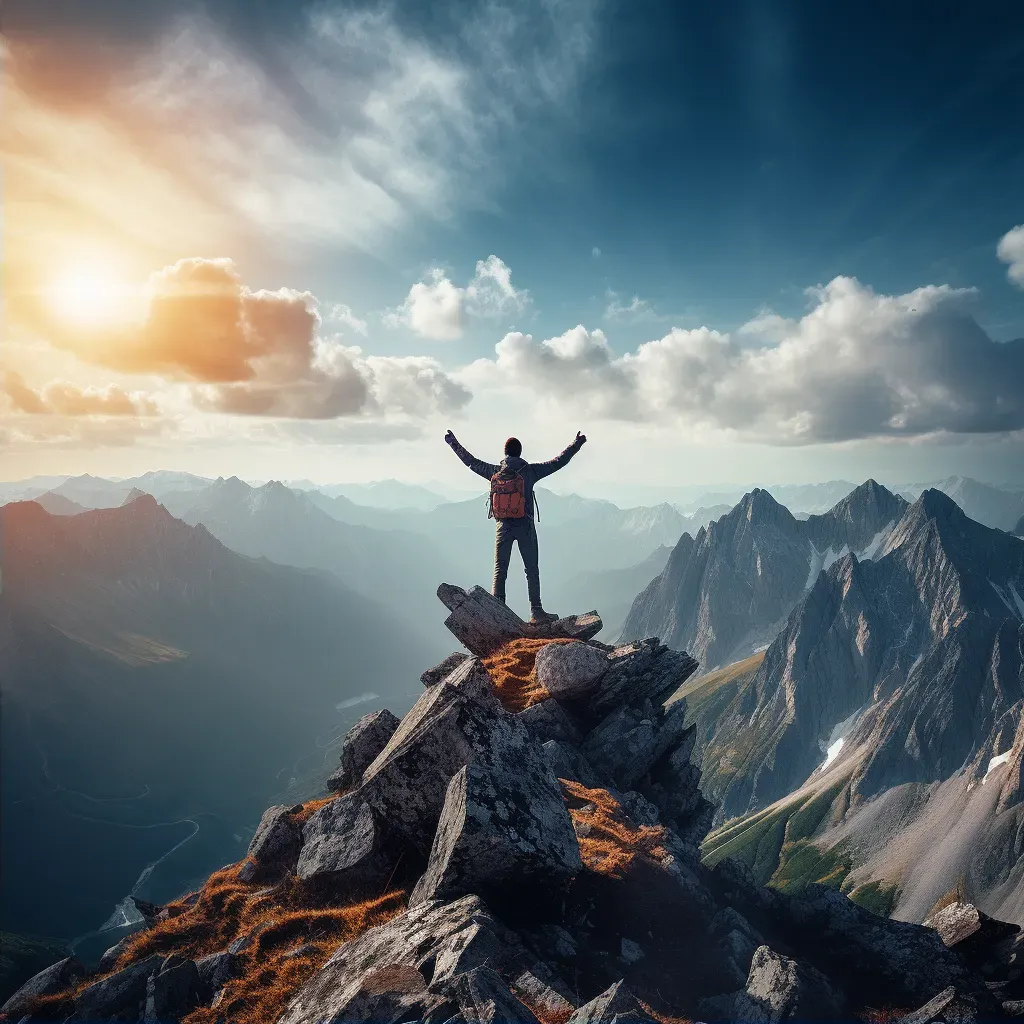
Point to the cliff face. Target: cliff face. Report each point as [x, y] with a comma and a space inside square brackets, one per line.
[521, 846]
[729, 590]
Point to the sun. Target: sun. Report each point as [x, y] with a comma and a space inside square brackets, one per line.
[89, 295]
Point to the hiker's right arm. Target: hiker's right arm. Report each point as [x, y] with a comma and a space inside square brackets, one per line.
[484, 469]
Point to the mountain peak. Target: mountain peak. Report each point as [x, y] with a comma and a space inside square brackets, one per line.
[134, 494]
[937, 504]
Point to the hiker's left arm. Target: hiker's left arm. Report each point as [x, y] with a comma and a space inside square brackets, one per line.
[543, 469]
[478, 466]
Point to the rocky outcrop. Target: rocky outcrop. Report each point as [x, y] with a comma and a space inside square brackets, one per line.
[363, 742]
[570, 670]
[542, 879]
[56, 978]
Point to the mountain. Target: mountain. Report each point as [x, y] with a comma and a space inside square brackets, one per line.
[1018, 530]
[56, 504]
[997, 507]
[93, 491]
[501, 854]
[886, 719]
[286, 526]
[727, 592]
[134, 494]
[391, 494]
[161, 481]
[157, 689]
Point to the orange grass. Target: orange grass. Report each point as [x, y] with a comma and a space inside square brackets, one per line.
[512, 670]
[609, 842]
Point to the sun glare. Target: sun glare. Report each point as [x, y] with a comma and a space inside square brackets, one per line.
[88, 296]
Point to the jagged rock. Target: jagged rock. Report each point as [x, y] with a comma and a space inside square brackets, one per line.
[779, 988]
[548, 720]
[363, 742]
[616, 1005]
[110, 956]
[504, 830]
[56, 978]
[443, 668]
[274, 848]
[674, 784]
[644, 671]
[482, 623]
[345, 842]
[441, 940]
[544, 991]
[217, 969]
[627, 743]
[150, 911]
[567, 762]
[570, 670]
[631, 951]
[484, 997]
[972, 933]
[948, 1006]
[639, 808]
[455, 723]
[172, 993]
[120, 996]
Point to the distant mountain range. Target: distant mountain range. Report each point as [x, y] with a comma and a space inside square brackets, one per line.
[727, 592]
[158, 688]
[997, 507]
[879, 741]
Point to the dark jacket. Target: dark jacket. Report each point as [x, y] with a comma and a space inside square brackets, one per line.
[531, 472]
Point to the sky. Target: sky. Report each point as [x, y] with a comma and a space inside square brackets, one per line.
[747, 242]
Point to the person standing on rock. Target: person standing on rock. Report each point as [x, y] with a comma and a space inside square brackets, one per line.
[512, 505]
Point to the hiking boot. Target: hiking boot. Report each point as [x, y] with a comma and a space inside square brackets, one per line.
[542, 618]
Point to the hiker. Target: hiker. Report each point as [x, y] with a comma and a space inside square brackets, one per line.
[512, 504]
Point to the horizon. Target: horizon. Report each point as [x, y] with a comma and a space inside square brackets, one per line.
[301, 242]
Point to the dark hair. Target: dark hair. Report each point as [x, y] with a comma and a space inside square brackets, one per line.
[514, 447]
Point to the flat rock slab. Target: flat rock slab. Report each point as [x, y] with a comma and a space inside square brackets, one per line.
[444, 668]
[964, 926]
[948, 1007]
[504, 831]
[482, 623]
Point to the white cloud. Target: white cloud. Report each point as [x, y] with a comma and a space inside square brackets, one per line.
[61, 398]
[437, 308]
[339, 313]
[856, 365]
[1011, 250]
[637, 309]
[595, 252]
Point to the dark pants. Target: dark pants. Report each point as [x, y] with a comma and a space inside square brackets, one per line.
[524, 532]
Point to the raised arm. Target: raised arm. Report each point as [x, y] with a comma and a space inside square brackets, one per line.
[484, 469]
[543, 469]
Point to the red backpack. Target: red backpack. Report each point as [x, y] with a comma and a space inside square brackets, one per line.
[508, 497]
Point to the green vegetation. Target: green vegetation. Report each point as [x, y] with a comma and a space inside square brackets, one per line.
[699, 690]
[876, 896]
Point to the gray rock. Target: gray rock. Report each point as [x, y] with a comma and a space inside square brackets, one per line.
[644, 671]
[217, 969]
[120, 996]
[616, 1005]
[566, 761]
[438, 672]
[274, 848]
[482, 623]
[782, 989]
[964, 926]
[544, 991]
[625, 745]
[363, 742]
[455, 723]
[172, 993]
[484, 998]
[570, 670]
[55, 978]
[441, 940]
[548, 720]
[948, 1006]
[110, 956]
[639, 808]
[504, 829]
[150, 911]
[345, 842]
[631, 951]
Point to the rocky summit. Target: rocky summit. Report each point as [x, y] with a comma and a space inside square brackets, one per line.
[523, 846]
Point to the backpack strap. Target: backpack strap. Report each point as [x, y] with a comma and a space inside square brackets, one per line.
[536, 503]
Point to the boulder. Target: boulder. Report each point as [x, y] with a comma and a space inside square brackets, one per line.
[120, 996]
[625, 745]
[363, 742]
[484, 998]
[172, 993]
[344, 843]
[779, 988]
[504, 830]
[544, 992]
[274, 848]
[972, 933]
[482, 623]
[216, 970]
[567, 762]
[55, 978]
[548, 720]
[949, 1007]
[111, 955]
[455, 723]
[444, 668]
[616, 1005]
[570, 670]
[150, 912]
[644, 671]
[440, 940]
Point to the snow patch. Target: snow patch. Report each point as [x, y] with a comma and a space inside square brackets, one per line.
[996, 762]
[821, 560]
[832, 753]
[876, 542]
[1017, 610]
[834, 743]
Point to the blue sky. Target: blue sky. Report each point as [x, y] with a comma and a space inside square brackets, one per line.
[643, 172]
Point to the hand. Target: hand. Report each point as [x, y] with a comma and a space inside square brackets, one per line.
[449, 438]
[581, 438]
